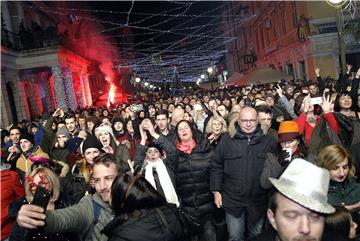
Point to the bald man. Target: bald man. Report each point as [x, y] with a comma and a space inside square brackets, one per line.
[235, 170]
[176, 116]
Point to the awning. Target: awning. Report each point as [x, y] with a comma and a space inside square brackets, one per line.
[207, 85]
[263, 75]
[234, 79]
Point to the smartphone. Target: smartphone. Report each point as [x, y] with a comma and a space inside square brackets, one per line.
[41, 197]
[316, 101]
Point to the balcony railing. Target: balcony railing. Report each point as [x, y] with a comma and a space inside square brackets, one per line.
[26, 40]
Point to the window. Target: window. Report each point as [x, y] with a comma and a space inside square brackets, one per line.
[290, 70]
[302, 70]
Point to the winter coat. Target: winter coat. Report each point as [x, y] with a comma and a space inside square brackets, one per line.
[192, 174]
[122, 157]
[235, 172]
[23, 164]
[269, 235]
[22, 234]
[347, 192]
[80, 218]
[272, 167]
[164, 144]
[11, 190]
[147, 225]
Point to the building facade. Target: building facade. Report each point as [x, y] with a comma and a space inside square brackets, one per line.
[292, 36]
[37, 72]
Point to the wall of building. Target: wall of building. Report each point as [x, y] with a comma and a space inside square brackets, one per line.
[300, 34]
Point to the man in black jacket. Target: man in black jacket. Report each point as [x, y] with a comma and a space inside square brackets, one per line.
[235, 170]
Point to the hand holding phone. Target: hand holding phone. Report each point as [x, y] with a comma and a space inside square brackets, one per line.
[316, 101]
[41, 197]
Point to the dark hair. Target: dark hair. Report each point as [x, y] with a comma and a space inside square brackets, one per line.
[69, 116]
[337, 107]
[15, 128]
[298, 102]
[337, 225]
[272, 201]
[162, 112]
[264, 109]
[276, 149]
[176, 136]
[106, 159]
[132, 193]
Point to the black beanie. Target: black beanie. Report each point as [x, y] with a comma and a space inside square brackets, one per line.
[91, 142]
[117, 119]
[27, 136]
[153, 145]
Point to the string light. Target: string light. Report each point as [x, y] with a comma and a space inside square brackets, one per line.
[199, 46]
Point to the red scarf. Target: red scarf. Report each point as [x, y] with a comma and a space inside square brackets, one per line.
[187, 148]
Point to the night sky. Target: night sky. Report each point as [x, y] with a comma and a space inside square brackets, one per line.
[162, 39]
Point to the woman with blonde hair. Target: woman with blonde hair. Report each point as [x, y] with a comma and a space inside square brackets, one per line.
[343, 188]
[214, 129]
[46, 178]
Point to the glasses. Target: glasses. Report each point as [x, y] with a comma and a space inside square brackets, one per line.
[251, 121]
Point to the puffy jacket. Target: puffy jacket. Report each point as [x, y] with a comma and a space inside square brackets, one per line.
[11, 189]
[192, 174]
[149, 226]
[235, 172]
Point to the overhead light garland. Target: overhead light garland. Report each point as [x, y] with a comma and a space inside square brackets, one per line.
[199, 45]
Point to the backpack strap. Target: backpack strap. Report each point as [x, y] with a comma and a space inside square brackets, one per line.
[96, 211]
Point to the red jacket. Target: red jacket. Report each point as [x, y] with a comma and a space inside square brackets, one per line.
[306, 129]
[11, 189]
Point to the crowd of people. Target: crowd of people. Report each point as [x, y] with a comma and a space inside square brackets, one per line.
[269, 162]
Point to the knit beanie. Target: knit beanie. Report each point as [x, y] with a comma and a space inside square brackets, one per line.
[62, 131]
[90, 142]
[102, 129]
[288, 130]
[27, 136]
[117, 119]
[153, 145]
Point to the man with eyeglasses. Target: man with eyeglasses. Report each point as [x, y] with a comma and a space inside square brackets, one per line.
[235, 170]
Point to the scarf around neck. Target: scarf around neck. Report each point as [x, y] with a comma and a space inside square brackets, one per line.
[187, 148]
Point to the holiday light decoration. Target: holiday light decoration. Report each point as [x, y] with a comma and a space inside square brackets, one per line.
[195, 47]
[69, 89]
[59, 88]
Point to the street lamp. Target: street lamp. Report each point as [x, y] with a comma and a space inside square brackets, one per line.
[338, 5]
[202, 76]
[137, 79]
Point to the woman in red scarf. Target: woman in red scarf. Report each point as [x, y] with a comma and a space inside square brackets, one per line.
[192, 173]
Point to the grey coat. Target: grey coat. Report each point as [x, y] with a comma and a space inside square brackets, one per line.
[80, 218]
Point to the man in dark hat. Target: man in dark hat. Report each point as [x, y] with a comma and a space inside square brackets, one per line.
[28, 149]
[90, 148]
[151, 110]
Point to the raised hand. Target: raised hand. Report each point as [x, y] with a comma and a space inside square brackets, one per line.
[317, 71]
[357, 76]
[348, 68]
[327, 104]
[307, 103]
[279, 91]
